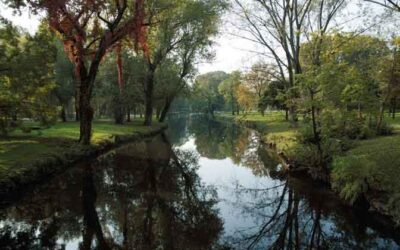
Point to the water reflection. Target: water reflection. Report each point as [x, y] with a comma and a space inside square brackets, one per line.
[262, 210]
[143, 196]
[206, 185]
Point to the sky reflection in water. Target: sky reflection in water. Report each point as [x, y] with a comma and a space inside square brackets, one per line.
[205, 185]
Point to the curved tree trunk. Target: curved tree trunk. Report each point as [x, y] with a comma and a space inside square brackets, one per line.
[165, 110]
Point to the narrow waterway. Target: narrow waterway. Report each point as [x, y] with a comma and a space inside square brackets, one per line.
[202, 185]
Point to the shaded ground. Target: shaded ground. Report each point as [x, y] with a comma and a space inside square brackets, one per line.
[20, 150]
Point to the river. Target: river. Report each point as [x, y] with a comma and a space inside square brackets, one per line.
[201, 185]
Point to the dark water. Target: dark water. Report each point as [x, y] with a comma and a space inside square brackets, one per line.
[203, 185]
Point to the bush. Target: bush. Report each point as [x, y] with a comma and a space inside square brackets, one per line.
[350, 176]
[25, 130]
[47, 117]
[339, 124]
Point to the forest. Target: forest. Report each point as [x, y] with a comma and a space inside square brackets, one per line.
[313, 103]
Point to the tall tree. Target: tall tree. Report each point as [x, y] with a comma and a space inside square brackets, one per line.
[280, 27]
[88, 29]
[228, 89]
[258, 79]
[207, 96]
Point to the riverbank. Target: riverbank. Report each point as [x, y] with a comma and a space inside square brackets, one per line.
[272, 125]
[366, 172]
[29, 157]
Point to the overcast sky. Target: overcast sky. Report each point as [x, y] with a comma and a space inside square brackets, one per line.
[231, 53]
[228, 56]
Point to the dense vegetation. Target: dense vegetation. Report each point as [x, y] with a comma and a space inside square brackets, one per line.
[106, 60]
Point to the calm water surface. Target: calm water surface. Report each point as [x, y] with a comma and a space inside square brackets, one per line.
[202, 185]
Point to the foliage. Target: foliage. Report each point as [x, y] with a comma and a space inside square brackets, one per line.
[28, 79]
[206, 96]
[370, 168]
[228, 89]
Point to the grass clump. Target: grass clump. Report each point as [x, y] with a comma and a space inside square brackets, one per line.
[372, 167]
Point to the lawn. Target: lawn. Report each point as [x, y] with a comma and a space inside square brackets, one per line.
[273, 125]
[20, 149]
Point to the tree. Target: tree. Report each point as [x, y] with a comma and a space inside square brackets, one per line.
[28, 78]
[245, 97]
[280, 27]
[228, 89]
[389, 4]
[183, 30]
[88, 29]
[207, 97]
[258, 80]
[64, 78]
[202, 23]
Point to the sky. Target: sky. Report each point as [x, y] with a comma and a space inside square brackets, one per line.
[231, 52]
[229, 55]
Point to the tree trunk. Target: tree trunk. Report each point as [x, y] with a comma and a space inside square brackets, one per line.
[85, 114]
[148, 116]
[77, 104]
[63, 115]
[286, 114]
[119, 111]
[128, 114]
[158, 112]
[394, 108]
[315, 128]
[292, 115]
[380, 117]
[165, 110]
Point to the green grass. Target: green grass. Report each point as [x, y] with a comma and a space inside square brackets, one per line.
[395, 123]
[273, 125]
[372, 166]
[19, 150]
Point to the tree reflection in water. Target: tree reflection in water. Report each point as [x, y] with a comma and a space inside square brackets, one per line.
[281, 213]
[143, 196]
[286, 217]
[152, 195]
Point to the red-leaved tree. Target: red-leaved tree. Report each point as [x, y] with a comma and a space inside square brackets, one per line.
[88, 29]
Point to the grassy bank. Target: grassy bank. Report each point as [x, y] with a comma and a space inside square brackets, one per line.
[370, 169]
[273, 126]
[23, 155]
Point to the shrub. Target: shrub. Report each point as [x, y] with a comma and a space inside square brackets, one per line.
[350, 176]
[25, 130]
